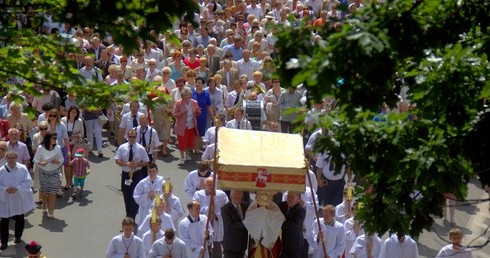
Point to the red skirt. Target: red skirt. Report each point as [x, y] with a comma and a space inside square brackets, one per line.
[186, 141]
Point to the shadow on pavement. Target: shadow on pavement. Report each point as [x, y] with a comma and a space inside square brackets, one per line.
[53, 225]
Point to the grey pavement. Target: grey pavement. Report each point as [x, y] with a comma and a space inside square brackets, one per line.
[84, 227]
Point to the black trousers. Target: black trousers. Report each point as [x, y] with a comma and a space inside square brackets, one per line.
[231, 254]
[304, 250]
[18, 230]
[290, 252]
[129, 204]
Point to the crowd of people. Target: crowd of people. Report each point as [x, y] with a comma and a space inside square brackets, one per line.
[221, 74]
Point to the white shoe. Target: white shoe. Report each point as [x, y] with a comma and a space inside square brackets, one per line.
[181, 161]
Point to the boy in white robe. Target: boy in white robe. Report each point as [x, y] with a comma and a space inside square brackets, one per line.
[195, 179]
[455, 249]
[192, 230]
[166, 220]
[353, 229]
[126, 244]
[146, 190]
[168, 246]
[399, 245]
[333, 235]
[343, 210]
[366, 246]
[220, 199]
[152, 235]
[173, 205]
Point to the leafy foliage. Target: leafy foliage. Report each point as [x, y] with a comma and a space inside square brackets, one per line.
[30, 61]
[406, 162]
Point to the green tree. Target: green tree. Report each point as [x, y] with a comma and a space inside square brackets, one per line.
[28, 59]
[438, 49]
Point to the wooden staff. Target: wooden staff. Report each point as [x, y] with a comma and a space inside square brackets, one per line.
[212, 194]
[316, 212]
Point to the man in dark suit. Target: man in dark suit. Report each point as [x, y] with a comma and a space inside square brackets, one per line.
[235, 236]
[213, 60]
[96, 48]
[103, 63]
[292, 227]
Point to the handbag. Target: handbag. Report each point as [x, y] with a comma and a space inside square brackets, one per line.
[102, 119]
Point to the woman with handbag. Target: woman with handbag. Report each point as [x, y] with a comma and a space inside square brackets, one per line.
[75, 129]
[185, 112]
[49, 159]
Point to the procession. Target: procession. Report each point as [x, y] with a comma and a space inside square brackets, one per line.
[217, 160]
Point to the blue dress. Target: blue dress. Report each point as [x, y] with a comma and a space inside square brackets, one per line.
[203, 100]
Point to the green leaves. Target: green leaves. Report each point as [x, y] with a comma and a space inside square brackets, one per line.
[406, 162]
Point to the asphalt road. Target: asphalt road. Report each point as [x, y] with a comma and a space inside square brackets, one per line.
[84, 227]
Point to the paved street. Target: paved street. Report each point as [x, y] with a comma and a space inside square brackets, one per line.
[84, 227]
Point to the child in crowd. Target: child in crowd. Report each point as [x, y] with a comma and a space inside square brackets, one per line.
[81, 168]
[455, 249]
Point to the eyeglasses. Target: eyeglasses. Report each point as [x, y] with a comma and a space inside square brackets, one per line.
[2, 149]
[43, 129]
[53, 116]
[131, 136]
[139, 55]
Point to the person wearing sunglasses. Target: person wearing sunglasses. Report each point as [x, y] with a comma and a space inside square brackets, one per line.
[131, 157]
[37, 139]
[49, 160]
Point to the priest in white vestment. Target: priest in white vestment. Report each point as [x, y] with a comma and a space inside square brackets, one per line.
[263, 220]
[16, 197]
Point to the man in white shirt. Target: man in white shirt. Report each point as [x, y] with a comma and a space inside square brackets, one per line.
[238, 122]
[333, 194]
[16, 197]
[89, 71]
[129, 121]
[246, 65]
[147, 136]
[255, 9]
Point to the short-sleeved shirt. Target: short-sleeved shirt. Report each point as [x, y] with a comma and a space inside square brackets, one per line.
[139, 154]
[21, 149]
[127, 122]
[324, 162]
